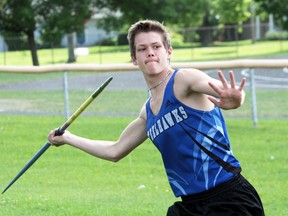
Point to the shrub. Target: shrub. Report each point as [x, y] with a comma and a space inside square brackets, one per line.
[107, 42]
[276, 35]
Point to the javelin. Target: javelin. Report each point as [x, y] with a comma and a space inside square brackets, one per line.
[60, 131]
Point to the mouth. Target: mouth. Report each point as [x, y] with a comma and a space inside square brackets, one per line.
[151, 61]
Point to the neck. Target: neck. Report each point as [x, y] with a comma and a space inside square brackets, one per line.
[161, 81]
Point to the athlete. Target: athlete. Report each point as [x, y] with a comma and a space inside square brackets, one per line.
[183, 119]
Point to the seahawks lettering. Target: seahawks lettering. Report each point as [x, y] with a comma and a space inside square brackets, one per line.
[167, 121]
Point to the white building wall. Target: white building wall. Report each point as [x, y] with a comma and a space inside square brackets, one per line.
[3, 45]
[92, 35]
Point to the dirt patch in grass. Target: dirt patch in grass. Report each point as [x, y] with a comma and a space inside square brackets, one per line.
[15, 105]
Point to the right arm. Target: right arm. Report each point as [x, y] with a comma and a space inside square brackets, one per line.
[132, 136]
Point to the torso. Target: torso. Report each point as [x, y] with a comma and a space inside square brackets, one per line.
[192, 99]
[179, 132]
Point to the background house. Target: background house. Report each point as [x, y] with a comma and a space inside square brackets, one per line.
[90, 36]
[3, 45]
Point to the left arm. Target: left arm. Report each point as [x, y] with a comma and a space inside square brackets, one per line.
[224, 95]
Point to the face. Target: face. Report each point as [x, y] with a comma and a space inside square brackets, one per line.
[151, 56]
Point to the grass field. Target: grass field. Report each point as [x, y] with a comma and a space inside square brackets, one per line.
[65, 181]
[270, 104]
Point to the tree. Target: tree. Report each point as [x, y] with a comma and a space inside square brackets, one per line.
[55, 17]
[19, 17]
[2, 2]
[64, 17]
[177, 13]
[209, 20]
[234, 12]
[183, 13]
[279, 8]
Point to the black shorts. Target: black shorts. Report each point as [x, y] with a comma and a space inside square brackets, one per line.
[235, 197]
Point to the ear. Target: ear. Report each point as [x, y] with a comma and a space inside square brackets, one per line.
[169, 52]
[134, 61]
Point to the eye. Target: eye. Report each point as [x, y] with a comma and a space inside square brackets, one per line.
[156, 46]
[141, 49]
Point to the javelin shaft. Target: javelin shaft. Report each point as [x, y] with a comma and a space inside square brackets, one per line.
[28, 165]
[59, 132]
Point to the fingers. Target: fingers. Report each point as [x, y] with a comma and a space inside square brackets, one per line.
[214, 100]
[52, 133]
[223, 79]
[54, 139]
[242, 84]
[228, 94]
[215, 88]
[232, 81]
[50, 136]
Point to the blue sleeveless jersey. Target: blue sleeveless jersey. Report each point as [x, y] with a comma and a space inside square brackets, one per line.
[194, 144]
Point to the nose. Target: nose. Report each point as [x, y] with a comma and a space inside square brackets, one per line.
[150, 52]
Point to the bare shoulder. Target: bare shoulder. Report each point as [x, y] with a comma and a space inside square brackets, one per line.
[185, 79]
[188, 74]
[193, 80]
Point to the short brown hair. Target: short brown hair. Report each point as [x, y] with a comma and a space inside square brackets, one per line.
[147, 26]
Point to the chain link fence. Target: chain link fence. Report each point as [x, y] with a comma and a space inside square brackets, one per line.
[44, 94]
[229, 37]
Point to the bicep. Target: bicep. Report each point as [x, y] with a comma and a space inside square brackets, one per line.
[132, 136]
[196, 81]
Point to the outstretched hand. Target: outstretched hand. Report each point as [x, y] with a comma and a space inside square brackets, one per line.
[230, 96]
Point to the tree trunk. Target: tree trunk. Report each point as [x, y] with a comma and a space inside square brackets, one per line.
[33, 48]
[71, 54]
[229, 32]
[205, 32]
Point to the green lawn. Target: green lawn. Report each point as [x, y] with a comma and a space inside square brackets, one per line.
[270, 104]
[65, 181]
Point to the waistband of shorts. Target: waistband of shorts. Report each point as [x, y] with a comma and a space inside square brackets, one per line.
[239, 179]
